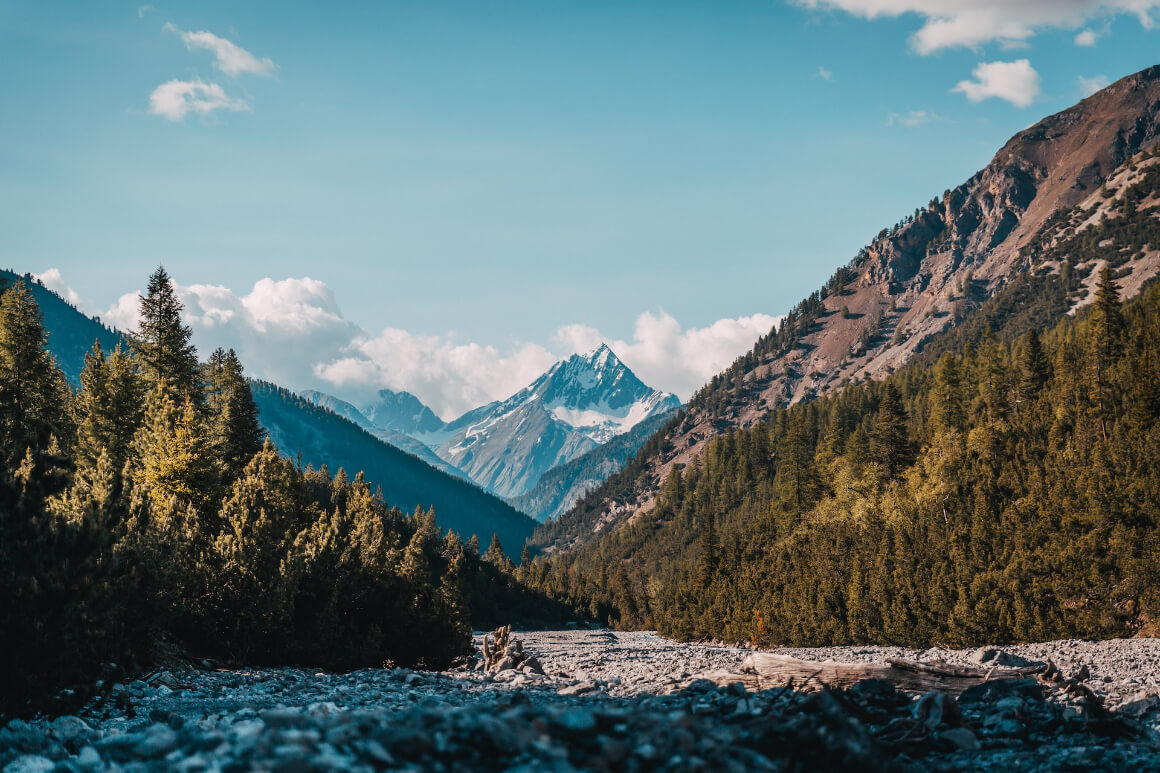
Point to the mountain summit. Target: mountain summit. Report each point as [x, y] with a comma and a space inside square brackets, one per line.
[579, 404]
[597, 395]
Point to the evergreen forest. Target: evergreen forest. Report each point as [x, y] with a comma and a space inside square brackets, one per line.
[1003, 487]
[146, 510]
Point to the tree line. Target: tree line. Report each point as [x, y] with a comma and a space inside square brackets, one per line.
[1008, 490]
[147, 507]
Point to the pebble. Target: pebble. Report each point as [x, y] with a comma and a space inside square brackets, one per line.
[633, 703]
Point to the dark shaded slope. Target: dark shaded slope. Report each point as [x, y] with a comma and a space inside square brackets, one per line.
[560, 487]
[71, 333]
[300, 428]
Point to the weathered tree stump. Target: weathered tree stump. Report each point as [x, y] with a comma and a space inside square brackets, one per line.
[764, 670]
[503, 653]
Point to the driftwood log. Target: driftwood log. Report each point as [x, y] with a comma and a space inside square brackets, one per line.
[763, 671]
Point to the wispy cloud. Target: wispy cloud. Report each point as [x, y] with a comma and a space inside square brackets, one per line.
[230, 58]
[1089, 86]
[824, 74]
[1016, 82]
[972, 23]
[912, 118]
[144, 10]
[176, 99]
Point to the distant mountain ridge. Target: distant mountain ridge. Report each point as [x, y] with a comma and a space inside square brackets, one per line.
[392, 437]
[1048, 203]
[506, 446]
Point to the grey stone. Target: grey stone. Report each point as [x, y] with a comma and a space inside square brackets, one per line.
[961, 738]
[30, 763]
[577, 721]
[159, 740]
[69, 729]
[983, 655]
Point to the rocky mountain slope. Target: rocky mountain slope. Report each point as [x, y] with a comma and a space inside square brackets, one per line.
[404, 413]
[1051, 198]
[579, 404]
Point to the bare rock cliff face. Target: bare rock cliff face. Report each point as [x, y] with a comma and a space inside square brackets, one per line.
[917, 279]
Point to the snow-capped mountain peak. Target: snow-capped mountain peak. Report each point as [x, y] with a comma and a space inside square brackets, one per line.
[579, 404]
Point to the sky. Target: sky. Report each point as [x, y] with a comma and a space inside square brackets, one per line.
[447, 197]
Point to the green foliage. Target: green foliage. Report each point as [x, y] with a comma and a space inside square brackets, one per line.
[33, 393]
[235, 433]
[163, 516]
[162, 342]
[1011, 492]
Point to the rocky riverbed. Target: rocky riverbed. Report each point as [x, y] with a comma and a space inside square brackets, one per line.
[610, 701]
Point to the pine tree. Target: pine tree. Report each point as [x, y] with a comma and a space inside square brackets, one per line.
[162, 342]
[707, 551]
[173, 455]
[109, 407]
[947, 409]
[1106, 346]
[235, 432]
[496, 557]
[1034, 369]
[890, 443]
[33, 392]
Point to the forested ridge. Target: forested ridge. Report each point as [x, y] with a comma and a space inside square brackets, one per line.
[145, 507]
[1009, 490]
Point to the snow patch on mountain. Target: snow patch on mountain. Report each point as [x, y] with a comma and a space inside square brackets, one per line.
[579, 404]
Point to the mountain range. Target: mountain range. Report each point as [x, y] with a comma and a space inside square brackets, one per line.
[975, 259]
[507, 446]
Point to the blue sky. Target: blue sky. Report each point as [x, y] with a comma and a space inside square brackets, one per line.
[483, 186]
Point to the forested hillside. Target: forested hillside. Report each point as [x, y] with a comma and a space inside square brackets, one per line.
[144, 507]
[1010, 490]
[1071, 192]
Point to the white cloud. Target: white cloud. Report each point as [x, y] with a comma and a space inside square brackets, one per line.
[1086, 38]
[1017, 82]
[52, 279]
[824, 74]
[142, 10]
[292, 332]
[972, 23]
[913, 118]
[228, 57]
[176, 99]
[449, 376]
[1089, 86]
[665, 356]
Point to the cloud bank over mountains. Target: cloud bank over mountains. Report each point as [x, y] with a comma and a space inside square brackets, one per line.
[973, 23]
[291, 331]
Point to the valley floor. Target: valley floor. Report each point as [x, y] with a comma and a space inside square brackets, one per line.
[607, 701]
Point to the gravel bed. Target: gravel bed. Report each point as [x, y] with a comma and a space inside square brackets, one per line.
[607, 701]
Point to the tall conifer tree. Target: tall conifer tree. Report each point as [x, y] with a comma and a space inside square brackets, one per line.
[162, 342]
